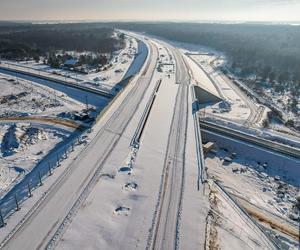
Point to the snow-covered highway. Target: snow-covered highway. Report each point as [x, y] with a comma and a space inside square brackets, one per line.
[138, 183]
[42, 222]
[166, 232]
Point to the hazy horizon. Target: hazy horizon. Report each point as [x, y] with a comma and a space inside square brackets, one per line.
[155, 10]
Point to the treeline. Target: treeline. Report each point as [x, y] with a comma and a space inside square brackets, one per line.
[270, 51]
[28, 41]
[57, 60]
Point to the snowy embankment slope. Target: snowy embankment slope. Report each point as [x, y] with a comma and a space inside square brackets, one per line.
[200, 77]
[138, 61]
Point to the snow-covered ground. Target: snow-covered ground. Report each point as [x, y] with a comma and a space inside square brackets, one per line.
[23, 145]
[251, 181]
[116, 196]
[284, 166]
[20, 97]
[227, 227]
[264, 183]
[69, 96]
[113, 73]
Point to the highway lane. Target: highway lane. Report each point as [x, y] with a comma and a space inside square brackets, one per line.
[166, 231]
[40, 225]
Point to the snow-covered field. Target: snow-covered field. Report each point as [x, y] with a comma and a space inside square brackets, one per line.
[23, 145]
[19, 97]
[264, 184]
[113, 73]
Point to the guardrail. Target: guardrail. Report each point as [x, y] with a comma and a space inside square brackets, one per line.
[246, 218]
[199, 149]
[263, 143]
[138, 133]
[10, 202]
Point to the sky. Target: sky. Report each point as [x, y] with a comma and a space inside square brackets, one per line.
[152, 10]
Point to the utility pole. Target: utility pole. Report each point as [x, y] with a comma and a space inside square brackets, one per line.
[49, 167]
[29, 190]
[40, 178]
[17, 203]
[86, 103]
[2, 223]
[58, 163]
[66, 153]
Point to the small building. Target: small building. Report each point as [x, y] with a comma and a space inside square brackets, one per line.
[70, 63]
